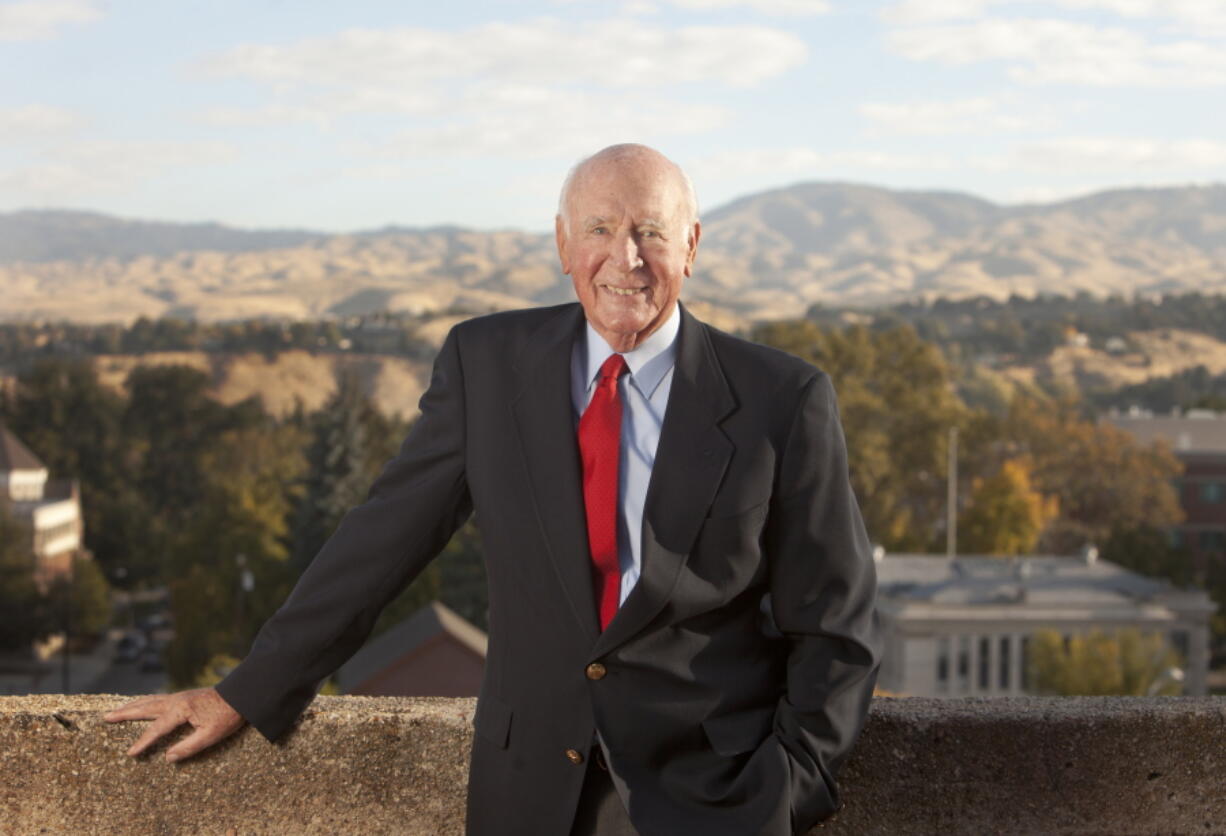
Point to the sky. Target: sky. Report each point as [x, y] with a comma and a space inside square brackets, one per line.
[357, 115]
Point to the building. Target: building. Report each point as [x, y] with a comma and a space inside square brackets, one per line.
[961, 626]
[51, 509]
[433, 653]
[1198, 439]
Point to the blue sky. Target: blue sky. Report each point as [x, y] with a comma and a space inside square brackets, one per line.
[348, 116]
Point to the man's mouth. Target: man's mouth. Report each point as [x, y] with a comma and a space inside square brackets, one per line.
[623, 291]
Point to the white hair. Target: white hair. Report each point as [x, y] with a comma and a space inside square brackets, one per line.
[691, 197]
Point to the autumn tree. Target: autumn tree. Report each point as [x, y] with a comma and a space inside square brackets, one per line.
[897, 403]
[1004, 513]
[1098, 664]
[1103, 479]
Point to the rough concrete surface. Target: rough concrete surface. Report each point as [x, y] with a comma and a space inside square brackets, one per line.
[381, 765]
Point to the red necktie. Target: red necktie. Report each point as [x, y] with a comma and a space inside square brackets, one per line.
[600, 431]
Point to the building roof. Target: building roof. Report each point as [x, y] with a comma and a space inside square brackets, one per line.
[1035, 580]
[14, 455]
[430, 621]
[1194, 431]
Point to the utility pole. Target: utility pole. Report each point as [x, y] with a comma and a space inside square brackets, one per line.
[951, 501]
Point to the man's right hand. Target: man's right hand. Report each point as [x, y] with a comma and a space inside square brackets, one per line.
[212, 719]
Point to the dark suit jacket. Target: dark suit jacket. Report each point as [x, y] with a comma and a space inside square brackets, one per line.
[723, 711]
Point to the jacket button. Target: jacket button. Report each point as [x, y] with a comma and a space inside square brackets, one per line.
[574, 755]
[596, 671]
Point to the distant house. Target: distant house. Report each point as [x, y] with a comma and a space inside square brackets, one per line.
[434, 653]
[51, 509]
[1198, 439]
[961, 626]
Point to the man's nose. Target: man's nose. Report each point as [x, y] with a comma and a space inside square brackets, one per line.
[626, 253]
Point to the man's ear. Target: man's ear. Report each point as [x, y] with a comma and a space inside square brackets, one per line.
[559, 234]
[695, 234]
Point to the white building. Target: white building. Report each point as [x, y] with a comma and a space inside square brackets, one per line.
[960, 626]
[52, 509]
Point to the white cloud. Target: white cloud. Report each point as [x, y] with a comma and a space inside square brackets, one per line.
[956, 116]
[794, 161]
[37, 122]
[38, 20]
[1060, 51]
[1199, 16]
[770, 7]
[507, 89]
[92, 167]
[610, 54]
[1113, 154]
[522, 121]
[793, 8]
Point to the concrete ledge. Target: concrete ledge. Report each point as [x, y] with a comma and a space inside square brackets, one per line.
[382, 765]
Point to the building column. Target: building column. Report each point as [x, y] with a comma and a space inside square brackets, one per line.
[1015, 663]
[1197, 664]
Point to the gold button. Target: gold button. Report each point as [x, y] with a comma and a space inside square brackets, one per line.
[574, 756]
[596, 671]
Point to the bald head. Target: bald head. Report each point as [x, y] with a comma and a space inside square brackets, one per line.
[627, 156]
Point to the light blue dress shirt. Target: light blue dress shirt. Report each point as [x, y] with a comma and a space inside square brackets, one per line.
[644, 394]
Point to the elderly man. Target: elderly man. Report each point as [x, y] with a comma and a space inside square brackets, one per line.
[682, 626]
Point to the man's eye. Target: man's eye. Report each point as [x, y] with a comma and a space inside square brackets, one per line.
[650, 233]
[599, 230]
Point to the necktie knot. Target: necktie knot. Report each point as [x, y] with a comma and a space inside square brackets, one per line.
[614, 367]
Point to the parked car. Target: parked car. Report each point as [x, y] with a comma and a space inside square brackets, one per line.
[130, 646]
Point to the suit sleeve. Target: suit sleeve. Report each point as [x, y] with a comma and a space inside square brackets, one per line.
[418, 501]
[823, 598]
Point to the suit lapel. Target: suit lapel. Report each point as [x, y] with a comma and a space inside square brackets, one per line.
[545, 424]
[691, 458]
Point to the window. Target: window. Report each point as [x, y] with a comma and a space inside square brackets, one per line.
[964, 664]
[943, 663]
[1212, 541]
[1212, 492]
[985, 661]
[1174, 538]
[1179, 641]
[1004, 663]
[1025, 663]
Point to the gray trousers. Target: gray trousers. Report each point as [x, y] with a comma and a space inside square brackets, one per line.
[600, 811]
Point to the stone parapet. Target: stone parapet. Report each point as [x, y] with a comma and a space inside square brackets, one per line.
[384, 765]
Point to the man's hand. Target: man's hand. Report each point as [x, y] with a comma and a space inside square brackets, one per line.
[211, 718]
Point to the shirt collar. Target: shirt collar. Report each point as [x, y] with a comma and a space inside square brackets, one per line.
[648, 362]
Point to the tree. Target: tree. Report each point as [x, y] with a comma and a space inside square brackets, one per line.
[1005, 514]
[72, 422]
[89, 598]
[897, 403]
[1103, 478]
[239, 529]
[24, 615]
[1098, 664]
[350, 441]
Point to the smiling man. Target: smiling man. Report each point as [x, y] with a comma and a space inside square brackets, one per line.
[682, 627]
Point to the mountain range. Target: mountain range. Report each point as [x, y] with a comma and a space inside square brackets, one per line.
[768, 255]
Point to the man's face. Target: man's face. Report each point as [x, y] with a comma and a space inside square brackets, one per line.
[629, 245]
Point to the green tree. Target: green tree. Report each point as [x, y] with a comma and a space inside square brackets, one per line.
[1005, 514]
[89, 598]
[239, 530]
[72, 422]
[24, 614]
[1097, 664]
[350, 442]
